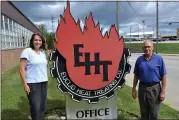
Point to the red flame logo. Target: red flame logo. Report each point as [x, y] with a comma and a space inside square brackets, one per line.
[110, 47]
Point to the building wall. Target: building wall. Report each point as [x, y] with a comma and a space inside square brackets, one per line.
[13, 35]
[177, 32]
[16, 31]
[10, 58]
[8, 9]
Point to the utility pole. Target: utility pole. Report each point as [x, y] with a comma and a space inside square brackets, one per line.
[130, 36]
[138, 33]
[117, 16]
[157, 26]
[143, 28]
[153, 32]
[52, 24]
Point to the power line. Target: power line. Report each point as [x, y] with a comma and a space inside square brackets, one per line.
[150, 19]
[147, 25]
[154, 24]
[143, 21]
[135, 11]
[159, 22]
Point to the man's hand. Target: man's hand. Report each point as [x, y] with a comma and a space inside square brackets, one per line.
[27, 89]
[162, 95]
[134, 93]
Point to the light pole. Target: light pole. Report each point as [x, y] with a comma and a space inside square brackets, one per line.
[143, 28]
[138, 33]
[130, 32]
[117, 16]
[137, 30]
[153, 33]
[130, 36]
[157, 27]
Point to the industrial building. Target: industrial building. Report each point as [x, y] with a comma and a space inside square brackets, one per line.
[139, 35]
[16, 30]
[150, 35]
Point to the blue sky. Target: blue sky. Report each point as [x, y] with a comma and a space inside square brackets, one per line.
[105, 13]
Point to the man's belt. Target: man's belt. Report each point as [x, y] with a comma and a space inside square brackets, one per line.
[149, 84]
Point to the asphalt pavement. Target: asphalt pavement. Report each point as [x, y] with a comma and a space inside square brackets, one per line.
[172, 65]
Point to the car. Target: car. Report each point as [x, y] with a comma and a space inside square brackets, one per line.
[155, 40]
[133, 39]
[126, 39]
[165, 39]
[172, 39]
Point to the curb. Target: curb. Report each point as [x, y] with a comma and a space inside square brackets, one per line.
[169, 54]
[162, 54]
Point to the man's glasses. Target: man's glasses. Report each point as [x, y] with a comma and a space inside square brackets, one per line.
[147, 46]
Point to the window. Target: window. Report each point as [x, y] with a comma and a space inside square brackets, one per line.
[12, 34]
[19, 42]
[10, 27]
[11, 41]
[6, 19]
[2, 25]
[16, 41]
[7, 41]
[3, 41]
[6, 26]
[2, 17]
[10, 21]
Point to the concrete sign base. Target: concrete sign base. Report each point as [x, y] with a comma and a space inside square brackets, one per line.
[104, 109]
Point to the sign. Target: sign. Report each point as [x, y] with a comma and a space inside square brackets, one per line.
[88, 65]
[104, 109]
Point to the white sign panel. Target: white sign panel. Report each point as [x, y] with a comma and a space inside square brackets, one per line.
[104, 109]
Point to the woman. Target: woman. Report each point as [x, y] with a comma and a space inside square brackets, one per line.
[33, 72]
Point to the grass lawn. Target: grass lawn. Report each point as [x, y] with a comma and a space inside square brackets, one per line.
[14, 103]
[166, 48]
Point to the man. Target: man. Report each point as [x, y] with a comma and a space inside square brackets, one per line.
[150, 70]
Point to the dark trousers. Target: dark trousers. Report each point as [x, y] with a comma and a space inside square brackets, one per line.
[149, 101]
[37, 99]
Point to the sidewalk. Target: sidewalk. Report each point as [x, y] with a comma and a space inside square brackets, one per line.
[168, 100]
[162, 54]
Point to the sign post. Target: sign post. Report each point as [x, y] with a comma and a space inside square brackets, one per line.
[89, 67]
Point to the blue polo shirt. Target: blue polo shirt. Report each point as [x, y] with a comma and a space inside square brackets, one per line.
[150, 71]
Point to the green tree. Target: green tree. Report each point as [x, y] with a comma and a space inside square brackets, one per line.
[43, 29]
[49, 36]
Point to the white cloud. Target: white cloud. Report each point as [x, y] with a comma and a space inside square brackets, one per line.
[147, 10]
[103, 28]
[84, 8]
[55, 10]
[150, 8]
[58, 9]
